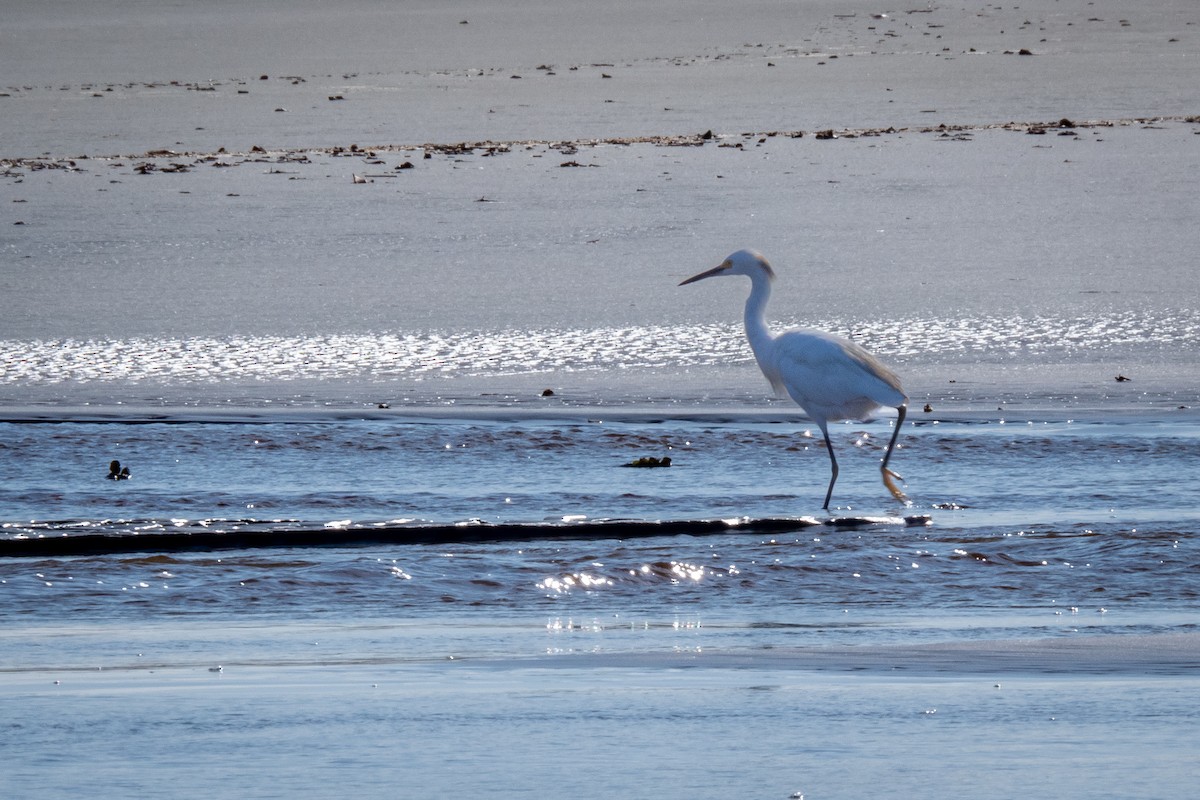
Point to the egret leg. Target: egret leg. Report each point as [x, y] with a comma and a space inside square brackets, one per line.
[833, 467]
[888, 475]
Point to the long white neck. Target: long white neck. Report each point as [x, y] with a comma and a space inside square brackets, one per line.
[757, 332]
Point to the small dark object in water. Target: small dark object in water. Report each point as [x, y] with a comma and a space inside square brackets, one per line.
[384, 405]
[116, 472]
[928, 408]
[650, 461]
[1123, 379]
[547, 393]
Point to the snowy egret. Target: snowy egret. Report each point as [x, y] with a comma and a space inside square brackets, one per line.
[831, 378]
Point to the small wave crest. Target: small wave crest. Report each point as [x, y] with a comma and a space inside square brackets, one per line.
[58, 539]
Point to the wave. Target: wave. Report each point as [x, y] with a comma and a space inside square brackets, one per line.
[52, 540]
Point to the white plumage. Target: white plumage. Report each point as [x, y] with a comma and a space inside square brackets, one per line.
[830, 377]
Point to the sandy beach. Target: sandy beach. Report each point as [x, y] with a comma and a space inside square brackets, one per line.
[118, 79]
[191, 194]
[462, 153]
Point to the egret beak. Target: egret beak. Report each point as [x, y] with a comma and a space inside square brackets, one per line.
[717, 270]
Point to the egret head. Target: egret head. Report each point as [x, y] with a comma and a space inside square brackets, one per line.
[744, 262]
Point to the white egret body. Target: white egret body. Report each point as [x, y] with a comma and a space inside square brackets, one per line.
[831, 378]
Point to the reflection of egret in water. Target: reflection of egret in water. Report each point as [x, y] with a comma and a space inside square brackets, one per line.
[116, 472]
[831, 378]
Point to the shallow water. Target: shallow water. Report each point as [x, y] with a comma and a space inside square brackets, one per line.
[451, 576]
[1038, 515]
[755, 660]
[384, 730]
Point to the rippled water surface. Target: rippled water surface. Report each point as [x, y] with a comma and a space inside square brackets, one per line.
[435, 578]
[1043, 524]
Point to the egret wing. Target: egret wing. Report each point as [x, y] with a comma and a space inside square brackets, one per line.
[833, 377]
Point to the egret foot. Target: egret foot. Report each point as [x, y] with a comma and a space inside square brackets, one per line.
[888, 475]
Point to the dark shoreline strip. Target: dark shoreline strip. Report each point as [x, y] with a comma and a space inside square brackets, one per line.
[93, 544]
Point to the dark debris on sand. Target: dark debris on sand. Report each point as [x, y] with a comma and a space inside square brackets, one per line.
[168, 161]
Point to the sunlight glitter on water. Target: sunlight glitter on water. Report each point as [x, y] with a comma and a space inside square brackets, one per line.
[419, 356]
